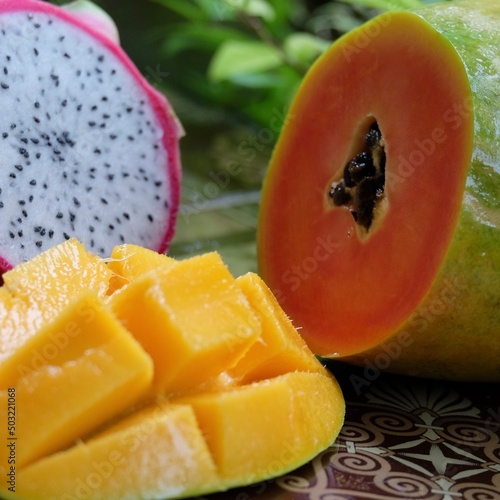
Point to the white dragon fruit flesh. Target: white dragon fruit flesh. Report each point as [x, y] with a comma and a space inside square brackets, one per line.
[88, 149]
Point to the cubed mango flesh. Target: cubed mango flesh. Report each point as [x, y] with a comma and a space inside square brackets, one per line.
[280, 349]
[129, 261]
[58, 275]
[87, 377]
[60, 340]
[262, 429]
[190, 446]
[179, 381]
[189, 315]
[35, 292]
[158, 453]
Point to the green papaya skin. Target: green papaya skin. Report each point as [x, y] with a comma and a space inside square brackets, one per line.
[454, 330]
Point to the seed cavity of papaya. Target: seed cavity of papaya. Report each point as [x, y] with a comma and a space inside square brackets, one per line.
[362, 186]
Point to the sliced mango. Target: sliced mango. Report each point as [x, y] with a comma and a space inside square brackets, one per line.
[158, 453]
[269, 427]
[61, 340]
[92, 372]
[280, 349]
[56, 276]
[189, 315]
[5, 303]
[247, 434]
[35, 292]
[130, 261]
[216, 390]
[18, 322]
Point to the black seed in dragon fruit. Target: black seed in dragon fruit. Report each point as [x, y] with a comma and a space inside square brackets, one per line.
[88, 148]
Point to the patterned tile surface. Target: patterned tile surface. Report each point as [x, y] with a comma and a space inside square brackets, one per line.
[402, 438]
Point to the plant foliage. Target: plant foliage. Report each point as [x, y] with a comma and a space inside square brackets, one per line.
[249, 56]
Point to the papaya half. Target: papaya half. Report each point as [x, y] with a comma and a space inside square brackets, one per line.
[379, 226]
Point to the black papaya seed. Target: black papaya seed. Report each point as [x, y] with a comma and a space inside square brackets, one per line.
[379, 186]
[339, 195]
[365, 214]
[361, 166]
[348, 181]
[373, 136]
[367, 189]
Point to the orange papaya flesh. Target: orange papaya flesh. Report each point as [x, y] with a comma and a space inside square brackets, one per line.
[422, 278]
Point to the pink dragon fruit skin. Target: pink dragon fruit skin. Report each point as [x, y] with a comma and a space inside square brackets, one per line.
[136, 200]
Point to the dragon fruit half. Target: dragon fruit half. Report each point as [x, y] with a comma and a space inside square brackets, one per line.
[87, 147]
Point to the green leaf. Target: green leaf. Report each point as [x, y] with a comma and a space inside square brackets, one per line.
[257, 80]
[216, 10]
[257, 8]
[304, 47]
[185, 9]
[285, 13]
[387, 4]
[199, 37]
[236, 57]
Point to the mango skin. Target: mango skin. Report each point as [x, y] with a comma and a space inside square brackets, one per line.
[453, 333]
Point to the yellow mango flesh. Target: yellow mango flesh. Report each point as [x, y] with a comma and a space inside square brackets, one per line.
[130, 261]
[59, 341]
[235, 397]
[53, 278]
[189, 315]
[280, 349]
[205, 442]
[263, 429]
[79, 384]
[35, 292]
[159, 453]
